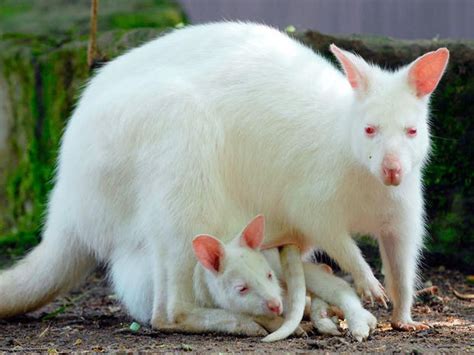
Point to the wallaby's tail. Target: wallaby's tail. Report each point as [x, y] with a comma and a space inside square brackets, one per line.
[292, 267]
[54, 266]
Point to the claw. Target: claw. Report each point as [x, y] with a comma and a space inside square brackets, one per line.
[408, 327]
[383, 301]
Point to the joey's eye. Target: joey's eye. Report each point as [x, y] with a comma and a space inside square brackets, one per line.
[242, 289]
[270, 276]
[370, 130]
[411, 131]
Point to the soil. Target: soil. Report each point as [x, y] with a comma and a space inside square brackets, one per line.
[91, 319]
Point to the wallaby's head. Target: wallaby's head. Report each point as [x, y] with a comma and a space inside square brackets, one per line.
[238, 275]
[389, 127]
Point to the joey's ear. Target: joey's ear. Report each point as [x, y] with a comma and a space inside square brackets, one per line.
[252, 235]
[425, 72]
[355, 68]
[209, 251]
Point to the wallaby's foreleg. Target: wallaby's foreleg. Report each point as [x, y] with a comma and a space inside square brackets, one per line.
[400, 247]
[349, 257]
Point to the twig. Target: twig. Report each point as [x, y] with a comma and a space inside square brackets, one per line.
[43, 332]
[463, 296]
[92, 51]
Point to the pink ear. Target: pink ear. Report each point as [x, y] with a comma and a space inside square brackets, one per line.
[252, 236]
[426, 72]
[349, 62]
[209, 251]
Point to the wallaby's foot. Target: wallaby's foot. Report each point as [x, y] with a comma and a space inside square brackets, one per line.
[250, 329]
[325, 325]
[370, 288]
[361, 323]
[212, 320]
[409, 326]
[272, 324]
[322, 317]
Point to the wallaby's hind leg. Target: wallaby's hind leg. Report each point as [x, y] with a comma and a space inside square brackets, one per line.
[338, 292]
[204, 320]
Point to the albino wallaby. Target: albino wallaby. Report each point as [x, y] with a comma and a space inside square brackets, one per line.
[209, 125]
[238, 278]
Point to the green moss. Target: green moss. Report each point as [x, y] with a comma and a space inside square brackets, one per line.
[154, 19]
[44, 68]
[67, 19]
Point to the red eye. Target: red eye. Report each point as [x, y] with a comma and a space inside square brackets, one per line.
[370, 131]
[242, 289]
[270, 276]
[411, 131]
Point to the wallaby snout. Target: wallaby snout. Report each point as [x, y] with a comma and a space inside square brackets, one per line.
[275, 306]
[391, 170]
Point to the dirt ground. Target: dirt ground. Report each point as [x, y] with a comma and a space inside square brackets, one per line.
[91, 320]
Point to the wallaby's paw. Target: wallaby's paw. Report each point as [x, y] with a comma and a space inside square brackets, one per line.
[360, 324]
[251, 329]
[326, 326]
[409, 326]
[370, 288]
[325, 322]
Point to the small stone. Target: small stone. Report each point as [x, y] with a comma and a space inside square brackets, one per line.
[186, 347]
[134, 327]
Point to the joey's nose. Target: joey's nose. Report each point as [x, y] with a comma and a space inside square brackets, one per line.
[275, 306]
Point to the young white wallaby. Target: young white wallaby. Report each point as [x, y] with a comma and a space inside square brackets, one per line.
[204, 127]
[237, 277]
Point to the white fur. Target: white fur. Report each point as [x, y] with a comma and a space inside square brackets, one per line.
[241, 266]
[205, 127]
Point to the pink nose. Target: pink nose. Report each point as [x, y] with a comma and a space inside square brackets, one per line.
[392, 170]
[274, 306]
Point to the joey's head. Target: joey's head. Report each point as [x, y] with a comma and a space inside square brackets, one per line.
[238, 276]
[389, 131]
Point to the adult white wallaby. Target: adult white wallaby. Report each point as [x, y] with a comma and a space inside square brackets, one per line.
[202, 129]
